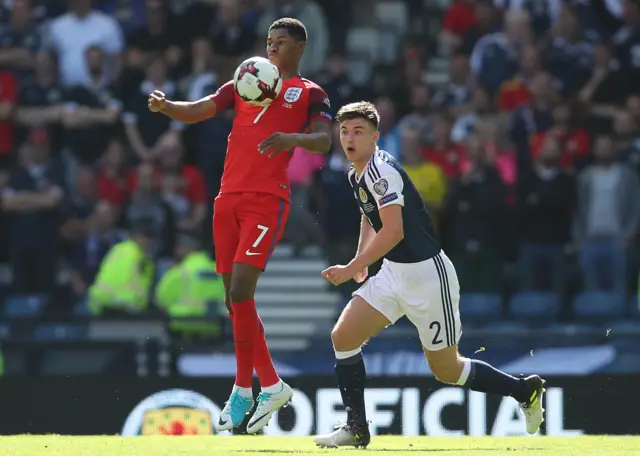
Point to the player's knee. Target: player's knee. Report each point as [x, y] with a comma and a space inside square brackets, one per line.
[238, 295]
[447, 372]
[343, 341]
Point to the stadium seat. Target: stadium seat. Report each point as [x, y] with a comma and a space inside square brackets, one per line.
[363, 40]
[480, 307]
[389, 44]
[571, 334]
[360, 69]
[534, 307]
[24, 306]
[598, 305]
[81, 309]
[393, 13]
[59, 332]
[507, 327]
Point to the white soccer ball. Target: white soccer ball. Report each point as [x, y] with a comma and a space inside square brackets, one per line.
[257, 81]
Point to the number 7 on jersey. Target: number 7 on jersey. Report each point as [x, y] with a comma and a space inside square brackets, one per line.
[263, 232]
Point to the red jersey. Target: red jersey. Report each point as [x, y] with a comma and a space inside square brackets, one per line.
[299, 103]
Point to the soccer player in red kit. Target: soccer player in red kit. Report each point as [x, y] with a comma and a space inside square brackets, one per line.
[251, 209]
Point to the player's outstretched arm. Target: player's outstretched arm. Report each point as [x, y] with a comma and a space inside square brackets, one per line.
[192, 111]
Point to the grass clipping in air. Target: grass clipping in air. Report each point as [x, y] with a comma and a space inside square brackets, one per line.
[385, 446]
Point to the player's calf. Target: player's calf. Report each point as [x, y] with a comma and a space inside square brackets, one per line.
[449, 367]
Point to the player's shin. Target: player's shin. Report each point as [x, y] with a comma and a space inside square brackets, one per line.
[351, 374]
[480, 376]
[245, 332]
[263, 364]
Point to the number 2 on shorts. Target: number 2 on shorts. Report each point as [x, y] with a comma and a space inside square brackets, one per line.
[263, 232]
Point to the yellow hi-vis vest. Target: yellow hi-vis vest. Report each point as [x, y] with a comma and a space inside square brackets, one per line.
[123, 281]
[187, 288]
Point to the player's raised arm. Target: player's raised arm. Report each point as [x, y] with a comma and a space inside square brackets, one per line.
[193, 111]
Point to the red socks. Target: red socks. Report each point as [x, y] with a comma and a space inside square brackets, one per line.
[245, 332]
[262, 360]
[251, 346]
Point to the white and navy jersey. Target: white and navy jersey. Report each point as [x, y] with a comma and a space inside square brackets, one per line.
[384, 182]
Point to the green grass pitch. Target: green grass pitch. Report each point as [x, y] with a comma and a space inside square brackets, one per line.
[263, 446]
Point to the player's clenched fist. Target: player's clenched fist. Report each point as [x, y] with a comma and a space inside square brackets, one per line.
[157, 101]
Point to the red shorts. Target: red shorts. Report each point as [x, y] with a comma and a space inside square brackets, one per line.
[247, 228]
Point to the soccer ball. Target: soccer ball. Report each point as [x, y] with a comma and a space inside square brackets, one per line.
[257, 81]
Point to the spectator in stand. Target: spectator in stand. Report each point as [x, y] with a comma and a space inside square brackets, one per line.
[335, 82]
[90, 249]
[91, 113]
[516, 91]
[545, 205]
[455, 96]
[486, 22]
[428, 177]
[183, 185]
[8, 101]
[627, 139]
[607, 219]
[442, 150]
[399, 84]
[73, 33]
[142, 127]
[494, 57]
[627, 43]
[114, 178]
[302, 227]
[209, 138]
[574, 139]
[543, 14]
[420, 118]
[40, 101]
[21, 40]
[147, 204]
[466, 124]
[567, 54]
[533, 117]
[314, 20]
[33, 201]
[79, 206]
[389, 136]
[162, 34]
[606, 88]
[232, 39]
[476, 205]
[459, 18]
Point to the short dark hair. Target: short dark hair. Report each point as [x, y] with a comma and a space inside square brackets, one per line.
[359, 110]
[296, 29]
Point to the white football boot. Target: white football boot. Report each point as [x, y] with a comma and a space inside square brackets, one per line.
[532, 409]
[268, 403]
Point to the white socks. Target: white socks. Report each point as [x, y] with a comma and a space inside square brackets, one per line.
[248, 392]
[244, 392]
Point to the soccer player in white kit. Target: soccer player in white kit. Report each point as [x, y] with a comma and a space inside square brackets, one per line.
[416, 279]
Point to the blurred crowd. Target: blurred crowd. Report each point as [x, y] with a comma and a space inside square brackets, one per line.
[527, 151]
